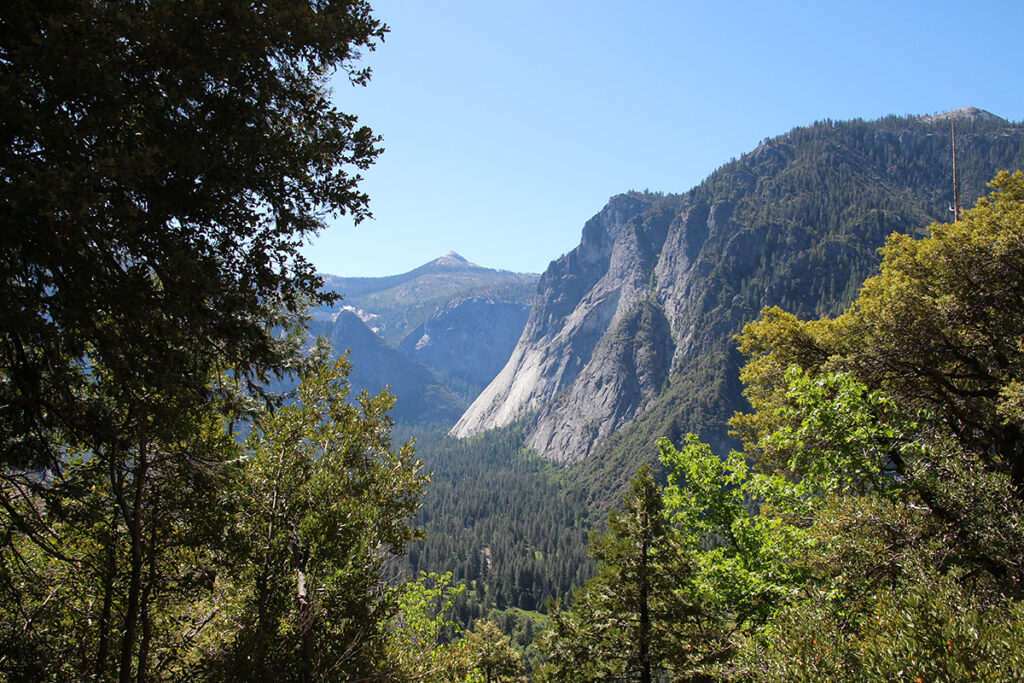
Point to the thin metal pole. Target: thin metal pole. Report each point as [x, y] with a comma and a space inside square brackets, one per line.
[956, 176]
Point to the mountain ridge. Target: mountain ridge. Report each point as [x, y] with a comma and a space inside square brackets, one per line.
[441, 330]
[634, 326]
[450, 262]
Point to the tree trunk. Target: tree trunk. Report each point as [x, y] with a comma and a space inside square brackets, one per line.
[263, 626]
[103, 623]
[306, 617]
[133, 521]
[147, 622]
[645, 616]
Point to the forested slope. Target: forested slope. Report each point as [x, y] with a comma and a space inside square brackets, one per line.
[884, 452]
[631, 334]
[649, 302]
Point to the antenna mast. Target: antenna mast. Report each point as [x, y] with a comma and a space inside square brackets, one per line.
[956, 175]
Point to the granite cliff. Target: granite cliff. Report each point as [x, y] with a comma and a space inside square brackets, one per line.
[630, 336]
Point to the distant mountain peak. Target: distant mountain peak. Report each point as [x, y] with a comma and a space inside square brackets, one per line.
[965, 114]
[452, 259]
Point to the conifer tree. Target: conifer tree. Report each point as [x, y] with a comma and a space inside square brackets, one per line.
[632, 619]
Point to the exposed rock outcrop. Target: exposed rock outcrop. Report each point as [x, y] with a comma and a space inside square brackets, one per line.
[468, 339]
[635, 325]
[578, 299]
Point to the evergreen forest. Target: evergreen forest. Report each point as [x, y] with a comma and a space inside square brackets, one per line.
[166, 514]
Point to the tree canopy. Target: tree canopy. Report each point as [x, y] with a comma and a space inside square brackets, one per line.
[160, 164]
[873, 527]
[322, 501]
[636, 618]
[939, 330]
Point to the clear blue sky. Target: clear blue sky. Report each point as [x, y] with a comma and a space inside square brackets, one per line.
[508, 123]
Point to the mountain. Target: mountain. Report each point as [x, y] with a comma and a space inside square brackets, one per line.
[630, 336]
[468, 340]
[436, 334]
[400, 303]
[422, 397]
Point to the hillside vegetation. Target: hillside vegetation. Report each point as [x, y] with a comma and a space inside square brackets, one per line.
[165, 516]
[798, 221]
[889, 479]
[807, 212]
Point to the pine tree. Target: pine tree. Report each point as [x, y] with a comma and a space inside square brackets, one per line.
[630, 621]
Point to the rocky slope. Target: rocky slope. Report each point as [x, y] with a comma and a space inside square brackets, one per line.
[394, 306]
[630, 334]
[421, 397]
[436, 335]
[468, 339]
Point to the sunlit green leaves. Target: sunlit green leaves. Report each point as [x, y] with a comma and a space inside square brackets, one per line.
[322, 500]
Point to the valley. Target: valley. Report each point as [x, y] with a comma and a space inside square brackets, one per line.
[261, 419]
[629, 337]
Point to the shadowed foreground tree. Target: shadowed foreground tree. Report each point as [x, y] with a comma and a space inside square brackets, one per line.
[160, 164]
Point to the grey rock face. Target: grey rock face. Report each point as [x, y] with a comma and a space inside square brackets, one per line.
[641, 314]
[469, 339]
[578, 298]
[598, 288]
[627, 371]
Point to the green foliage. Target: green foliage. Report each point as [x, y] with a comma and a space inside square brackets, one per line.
[744, 561]
[929, 630]
[321, 501]
[935, 630]
[420, 637]
[940, 326]
[162, 163]
[188, 560]
[754, 535]
[879, 551]
[794, 224]
[636, 617]
[912, 456]
[491, 652]
[501, 521]
[107, 564]
[938, 329]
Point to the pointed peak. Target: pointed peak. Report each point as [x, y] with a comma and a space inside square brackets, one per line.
[451, 259]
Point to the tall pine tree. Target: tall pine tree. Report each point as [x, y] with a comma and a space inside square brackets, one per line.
[630, 621]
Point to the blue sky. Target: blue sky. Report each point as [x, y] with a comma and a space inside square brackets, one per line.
[508, 123]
